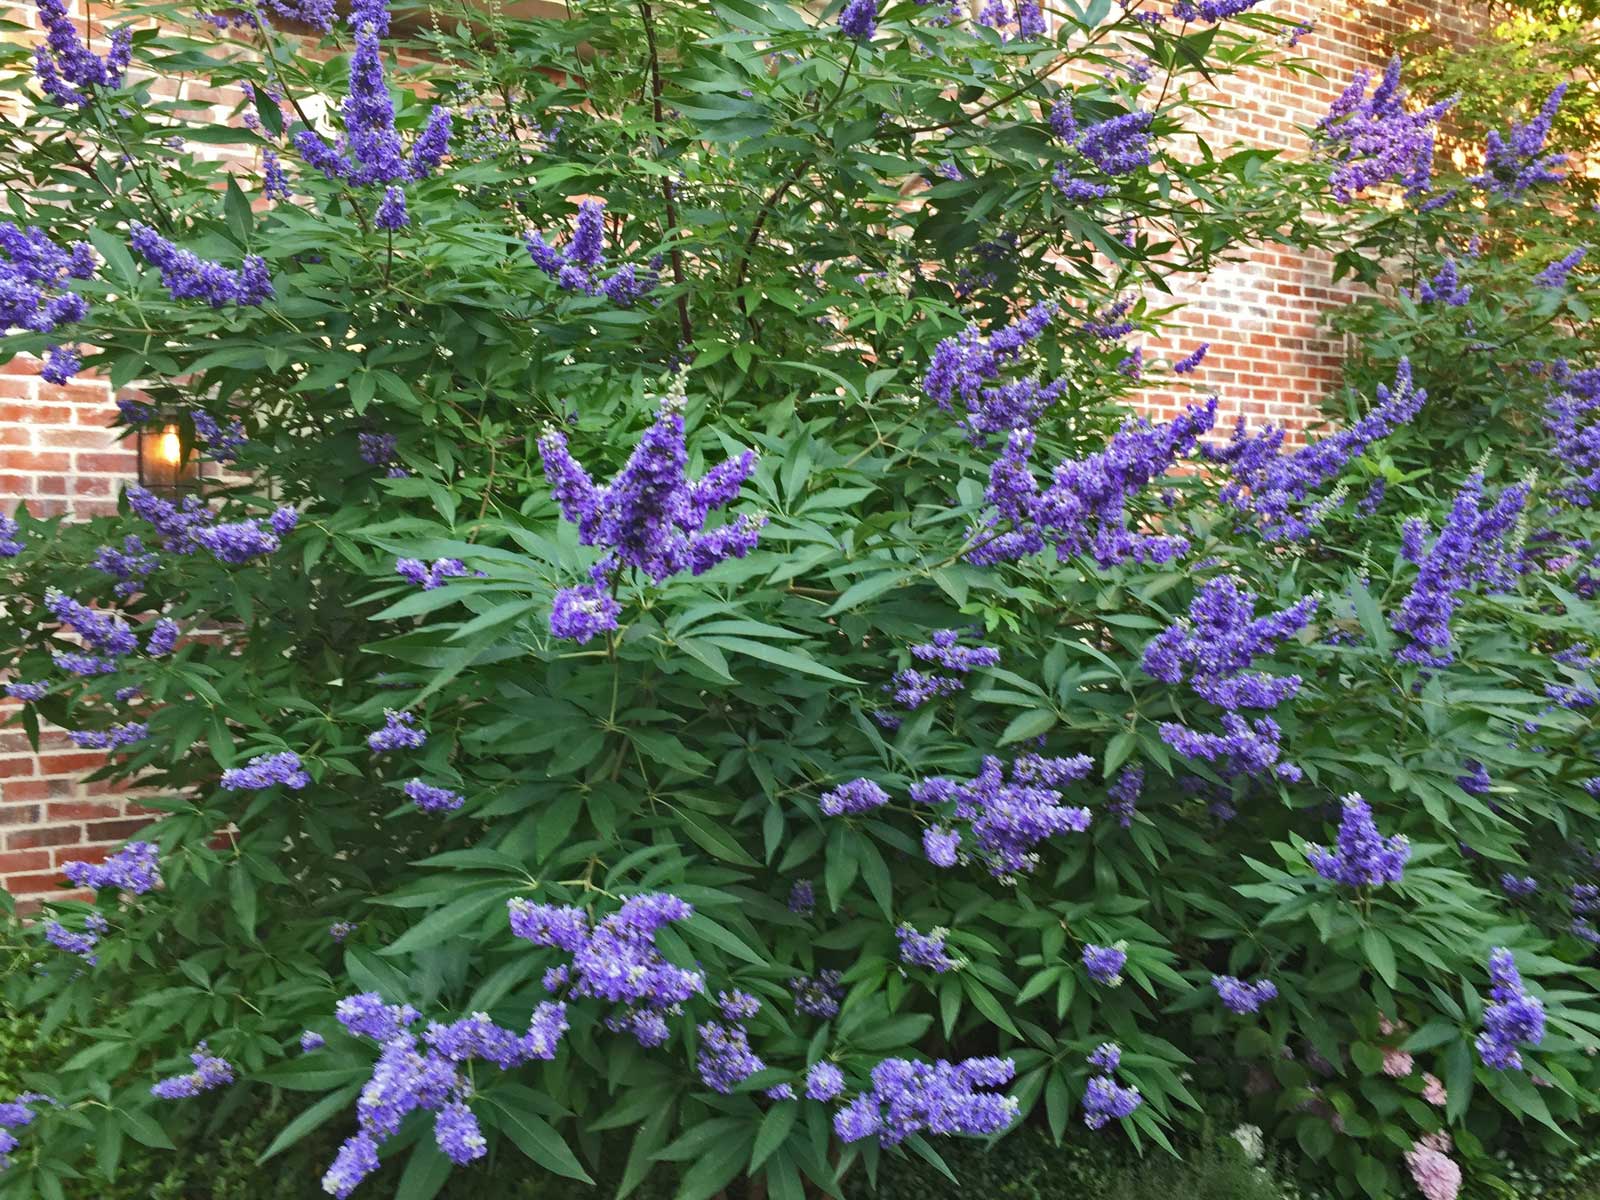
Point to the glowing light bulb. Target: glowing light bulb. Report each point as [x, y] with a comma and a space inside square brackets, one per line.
[170, 448]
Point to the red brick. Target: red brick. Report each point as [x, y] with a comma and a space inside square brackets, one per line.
[23, 860]
[114, 831]
[48, 835]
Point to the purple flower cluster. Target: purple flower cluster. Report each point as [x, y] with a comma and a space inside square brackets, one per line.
[1512, 1019]
[33, 291]
[369, 152]
[824, 1081]
[310, 1041]
[240, 541]
[1361, 857]
[1271, 484]
[209, 1072]
[414, 570]
[135, 869]
[1472, 546]
[1217, 644]
[429, 798]
[163, 637]
[577, 267]
[1085, 508]
[1123, 795]
[963, 365]
[399, 732]
[223, 443]
[1518, 887]
[818, 995]
[1210, 10]
[925, 949]
[129, 565]
[1476, 781]
[1104, 1099]
[1244, 747]
[855, 796]
[10, 544]
[1570, 418]
[1241, 997]
[725, 1058]
[188, 277]
[1105, 963]
[1373, 138]
[176, 524]
[941, 1098]
[106, 633]
[802, 896]
[651, 516]
[913, 688]
[1555, 275]
[1008, 817]
[1517, 162]
[378, 449]
[114, 738]
[267, 770]
[64, 64]
[1115, 146]
[858, 20]
[15, 1114]
[617, 959]
[29, 692]
[1027, 17]
[82, 944]
[426, 1076]
[1445, 287]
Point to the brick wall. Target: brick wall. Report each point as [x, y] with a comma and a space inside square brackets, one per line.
[1269, 359]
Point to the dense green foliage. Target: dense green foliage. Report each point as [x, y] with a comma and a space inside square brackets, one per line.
[813, 258]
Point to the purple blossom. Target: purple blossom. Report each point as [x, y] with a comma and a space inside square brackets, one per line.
[366, 1015]
[1242, 997]
[399, 732]
[1372, 139]
[1191, 360]
[61, 363]
[1105, 1100]
[1471, 547]
[129, 565]
[1218, 643]
[178, 525]
[84, 664]
[34, 272]
[824, 1081]
[962, 365]
[1107, 1056]
[1210, 10]
[457, 1134]
[209, 1072]
[134, 869]
[940, 845]
[1445, 287]
[549, 925]
[1476, 781]
[223, 443]
[1116, 146]
[940, 1098]
[311, 1041]
[819, 995]
[856, 796]
[1242, 748]
[81, 944]
[429, 798]
[1512, 1019]
[267, 770]
[189, 277]
[105, 632]
[1518, 887]
[391, 214]
[737, 1005]
[802, 896]
[925, 949]
[1516, 162]
[114, 738]
[858, 20]
[414, 570]
[576, 268]
[15, 1114]
[1570, 419]
[1104, 964]
[10, 544]
[725, 1059]
[29, 692]
[1555, 275]
[1271, 484]
[1009, 817]
[1124, 795]
[163, 637]
[651, 516]
[237, 542]
[64, 64]
[1362, 857]
[274, 183]
[1085, 508]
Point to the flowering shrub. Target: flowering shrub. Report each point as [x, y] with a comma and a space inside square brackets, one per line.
[781, 804]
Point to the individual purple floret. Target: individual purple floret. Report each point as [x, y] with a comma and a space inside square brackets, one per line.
[1219, 642]
[1372, 139]
[824, 1081]
[1104, 964]
[1274, 485]
[429, 798]
[858, 20]
[81, 944]
[925, 949]
[856, 796]
[1009, 817]
[209, 1072]
[267, 770]
[67, 70]
[651, 516]
[940, 1098]
[1472, 546]
[1517, 162]
[1362, 857]
[399, 732]
[1241, 997]
[133, 869]
[311, 1041]
[1512, 1019]
[414, 570]
[725, 1059]
[1085, 509]
[189, 277]
[819, 995]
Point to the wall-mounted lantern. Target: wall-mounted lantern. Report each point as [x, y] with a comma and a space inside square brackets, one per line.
[163, 465]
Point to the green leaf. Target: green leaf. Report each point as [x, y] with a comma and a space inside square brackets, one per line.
[1380, 954]
[318, 1115]
[775, 1127]
[446, 922]
[534, 1137]
[1028, 725]
[789, 659]
[427, 1171]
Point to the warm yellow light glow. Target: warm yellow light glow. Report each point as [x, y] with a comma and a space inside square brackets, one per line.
[170, 448]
